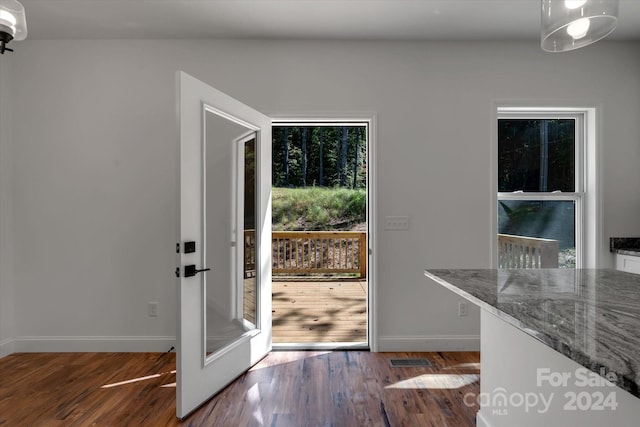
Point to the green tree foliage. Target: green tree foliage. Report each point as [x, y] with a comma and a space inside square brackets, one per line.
[536, 155]
[322, 156]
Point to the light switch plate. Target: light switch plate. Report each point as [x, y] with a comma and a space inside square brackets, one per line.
[152, 308]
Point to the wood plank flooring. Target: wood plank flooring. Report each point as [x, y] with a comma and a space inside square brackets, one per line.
[342, 388]
[319, 311]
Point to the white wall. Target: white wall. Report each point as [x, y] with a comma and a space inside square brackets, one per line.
[6, 217]
[94, 179]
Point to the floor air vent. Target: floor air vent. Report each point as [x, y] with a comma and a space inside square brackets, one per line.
[409, 363]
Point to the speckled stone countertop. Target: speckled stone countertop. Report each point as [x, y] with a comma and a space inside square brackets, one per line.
[590, 316]
[625, 245]
[633, 252]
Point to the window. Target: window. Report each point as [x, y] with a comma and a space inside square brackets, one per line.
[541, 188]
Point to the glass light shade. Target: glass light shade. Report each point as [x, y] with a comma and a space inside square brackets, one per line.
[572, 24]
[12, 19]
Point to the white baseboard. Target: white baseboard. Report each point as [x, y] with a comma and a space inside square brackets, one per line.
[6, 348]
[429, 343]
[58, 344]
[31, 344]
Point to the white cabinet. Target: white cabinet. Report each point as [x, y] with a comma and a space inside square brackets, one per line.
[628, 263]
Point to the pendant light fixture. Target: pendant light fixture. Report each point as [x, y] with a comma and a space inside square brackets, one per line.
[13, 23]
[572, 24]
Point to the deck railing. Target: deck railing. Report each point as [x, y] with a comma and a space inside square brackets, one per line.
[249, 253]
[527, 252]
[304, 252]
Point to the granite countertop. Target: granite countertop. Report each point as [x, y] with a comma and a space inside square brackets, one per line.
[625, 245]
[590, 316]
[633, 252]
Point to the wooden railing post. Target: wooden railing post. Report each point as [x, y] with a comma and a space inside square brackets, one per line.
[249, 242]
[549, 254]
[362, 255]
[527, 252]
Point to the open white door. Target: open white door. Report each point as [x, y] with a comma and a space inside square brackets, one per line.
[224, 321]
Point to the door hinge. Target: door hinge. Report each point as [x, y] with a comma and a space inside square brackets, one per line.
[177, 248]
[177, 271]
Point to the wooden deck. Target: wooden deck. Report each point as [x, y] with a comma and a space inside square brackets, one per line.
[319, 311]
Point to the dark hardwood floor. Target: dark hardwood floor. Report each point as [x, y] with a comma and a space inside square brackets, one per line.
[343, 388]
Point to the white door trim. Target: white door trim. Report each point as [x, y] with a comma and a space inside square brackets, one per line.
[370, 118]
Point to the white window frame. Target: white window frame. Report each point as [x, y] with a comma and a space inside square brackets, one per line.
[587, 226]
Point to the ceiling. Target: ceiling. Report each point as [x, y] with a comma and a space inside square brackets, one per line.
[300, 19]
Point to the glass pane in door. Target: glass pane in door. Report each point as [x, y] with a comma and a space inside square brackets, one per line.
[225, 204]
[249, 247]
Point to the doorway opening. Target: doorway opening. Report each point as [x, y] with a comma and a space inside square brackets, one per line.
[321, 241]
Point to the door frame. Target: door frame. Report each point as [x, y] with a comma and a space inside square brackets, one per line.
[370, 118]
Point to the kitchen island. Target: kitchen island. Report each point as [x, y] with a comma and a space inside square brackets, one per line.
[627, 253]
[558, 346]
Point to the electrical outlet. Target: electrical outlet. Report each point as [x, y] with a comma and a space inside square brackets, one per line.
[396, 223]
[153, 309]
[463, 309]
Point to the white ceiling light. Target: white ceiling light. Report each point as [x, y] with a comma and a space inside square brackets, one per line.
[572, 24]
[574, 4]
[13, 23]
[579, 29]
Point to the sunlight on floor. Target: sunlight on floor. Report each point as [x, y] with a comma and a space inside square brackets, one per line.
[436, 381]
[135, 380]
[300, 355]
[253, 396]
[474, 366]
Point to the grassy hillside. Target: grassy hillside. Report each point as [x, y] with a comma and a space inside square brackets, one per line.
[315, 208]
